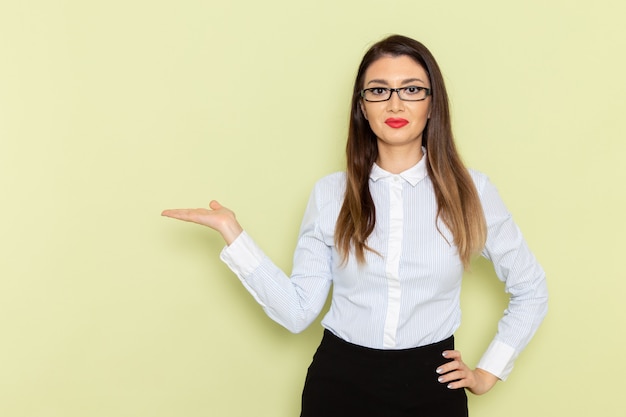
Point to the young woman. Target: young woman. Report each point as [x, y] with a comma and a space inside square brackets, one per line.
[393, 234]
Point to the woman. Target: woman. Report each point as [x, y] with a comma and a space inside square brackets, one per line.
[393, 234]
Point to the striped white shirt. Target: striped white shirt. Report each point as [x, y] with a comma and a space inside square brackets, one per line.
[407, 294]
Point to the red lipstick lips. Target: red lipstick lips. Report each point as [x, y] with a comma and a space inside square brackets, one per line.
[396, 123]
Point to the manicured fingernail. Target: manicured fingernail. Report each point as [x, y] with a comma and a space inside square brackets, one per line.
[444, 354]
[449, 386]
[439, 370]
[440, 379]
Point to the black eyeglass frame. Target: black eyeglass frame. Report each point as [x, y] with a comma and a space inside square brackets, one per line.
[397, 90]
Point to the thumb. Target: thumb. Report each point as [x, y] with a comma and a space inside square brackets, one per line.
[214, 205]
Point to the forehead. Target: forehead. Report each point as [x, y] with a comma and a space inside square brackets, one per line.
[395, 69]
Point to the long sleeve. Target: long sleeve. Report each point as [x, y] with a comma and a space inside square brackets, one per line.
[292, 302]
[524, 280]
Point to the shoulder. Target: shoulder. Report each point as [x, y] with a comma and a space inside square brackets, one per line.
[334, 179]
[489, 196]
[329, 190]
[325, 202]
[331, 185]
[481, 180]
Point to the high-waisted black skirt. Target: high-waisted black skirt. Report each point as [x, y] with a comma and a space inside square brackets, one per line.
[346, 380]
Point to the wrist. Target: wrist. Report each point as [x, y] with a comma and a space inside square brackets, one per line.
[230, 230]
[486, 381]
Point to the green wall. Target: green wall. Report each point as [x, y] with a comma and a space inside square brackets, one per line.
[111, 111]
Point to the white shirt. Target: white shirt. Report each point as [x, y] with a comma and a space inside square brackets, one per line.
[407, 295]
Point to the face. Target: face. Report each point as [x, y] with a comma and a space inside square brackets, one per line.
[396, 123]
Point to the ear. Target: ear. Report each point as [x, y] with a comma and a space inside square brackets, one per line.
[363, 110]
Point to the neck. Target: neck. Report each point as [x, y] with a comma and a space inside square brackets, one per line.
[398, 160]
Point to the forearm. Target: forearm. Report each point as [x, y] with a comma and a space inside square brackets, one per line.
[292, 302]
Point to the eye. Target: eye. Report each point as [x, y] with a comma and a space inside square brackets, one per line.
[413, 90]
[379, 91]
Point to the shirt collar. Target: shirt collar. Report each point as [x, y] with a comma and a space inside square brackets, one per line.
[412, 175]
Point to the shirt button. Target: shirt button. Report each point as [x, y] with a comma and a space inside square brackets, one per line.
[396, 178]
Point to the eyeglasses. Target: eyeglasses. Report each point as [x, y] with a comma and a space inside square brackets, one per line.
[410, 93]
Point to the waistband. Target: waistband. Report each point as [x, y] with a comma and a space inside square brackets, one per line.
[331, 340]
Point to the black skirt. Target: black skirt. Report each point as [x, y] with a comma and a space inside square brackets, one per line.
[346, 380]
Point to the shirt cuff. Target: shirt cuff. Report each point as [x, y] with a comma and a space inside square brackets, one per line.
[498, 359]
[242, 256]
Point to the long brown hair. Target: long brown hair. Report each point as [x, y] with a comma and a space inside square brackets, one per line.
[457, 199]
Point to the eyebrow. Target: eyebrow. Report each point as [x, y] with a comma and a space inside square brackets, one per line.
[407, 81]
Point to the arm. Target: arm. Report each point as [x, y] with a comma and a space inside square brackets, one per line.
[294, 303]
[524, 280]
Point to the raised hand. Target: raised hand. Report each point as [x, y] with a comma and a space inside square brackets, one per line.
[217, 217]
[458, 375]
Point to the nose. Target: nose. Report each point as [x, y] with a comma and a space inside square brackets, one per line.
[394, 103]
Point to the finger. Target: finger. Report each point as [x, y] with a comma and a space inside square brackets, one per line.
[458, 379]
[188, 215]
[453, 376]
[215, 205]
[461, 383]
[175, 213]
[447, 367]
[451, 354]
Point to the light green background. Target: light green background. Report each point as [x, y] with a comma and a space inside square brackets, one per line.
[111, 111]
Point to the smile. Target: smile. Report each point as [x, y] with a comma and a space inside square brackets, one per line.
[396, 123]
